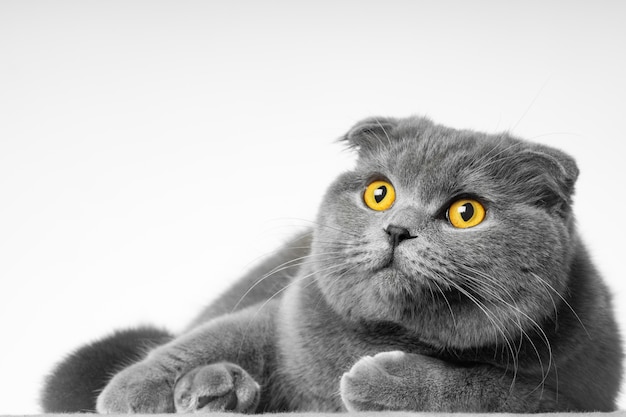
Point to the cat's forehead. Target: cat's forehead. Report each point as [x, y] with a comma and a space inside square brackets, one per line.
[437, 163]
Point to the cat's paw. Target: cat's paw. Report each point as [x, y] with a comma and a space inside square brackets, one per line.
[217, 387]
[140, 388]
[377, 383]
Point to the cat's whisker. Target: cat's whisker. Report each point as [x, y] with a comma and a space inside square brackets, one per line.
[492, 318]
[542, 336]
[539, 329]
[488, 159]
[297, 280]
[430, 289]
[292, 263]
[385, 132]
[554, 306]
[280, 249]
[547, 284]
[499, 161]
[532, 138]
[514, 353]
[485, 157]
[549, 287]
[446, 300]
[338, 243]
[293, 282]
[491, 279]
[316, 223]
[491, 290]
[481, 286]
[545, 83]
[378, 139]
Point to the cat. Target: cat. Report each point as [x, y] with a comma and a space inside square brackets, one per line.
[443, 273]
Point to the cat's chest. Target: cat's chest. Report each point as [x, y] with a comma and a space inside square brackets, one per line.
[316, 347]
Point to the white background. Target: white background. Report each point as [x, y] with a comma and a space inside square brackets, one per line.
[151, 151]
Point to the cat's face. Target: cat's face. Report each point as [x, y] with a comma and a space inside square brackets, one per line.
[393, 242]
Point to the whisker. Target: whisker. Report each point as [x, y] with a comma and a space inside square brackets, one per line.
[531, 103]
[547, 284]
[430, 289]
[487, 159]
[481, 286]
[384, 131]
[319, 224]
[490, 316]
[543, 336]
[292, 263]
[555, 133]
[445, 299]
[500, 160]
[276, 294]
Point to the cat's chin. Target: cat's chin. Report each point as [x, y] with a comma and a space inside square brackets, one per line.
[401, 290]
[427, 307]
[390, 273]
[438, 315]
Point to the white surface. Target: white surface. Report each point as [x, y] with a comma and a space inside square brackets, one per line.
[150, 151]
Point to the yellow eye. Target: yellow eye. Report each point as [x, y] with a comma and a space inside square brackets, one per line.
[466, 213]
[379, 195]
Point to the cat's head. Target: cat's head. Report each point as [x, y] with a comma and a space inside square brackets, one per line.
[461, 236]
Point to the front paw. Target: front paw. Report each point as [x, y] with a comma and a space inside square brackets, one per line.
[380, 382]
[140, 388]
[217, 387]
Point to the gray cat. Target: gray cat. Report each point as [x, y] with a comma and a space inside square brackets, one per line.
[444, 273]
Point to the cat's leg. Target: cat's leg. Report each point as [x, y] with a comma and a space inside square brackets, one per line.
[239, 345]
[404, 381]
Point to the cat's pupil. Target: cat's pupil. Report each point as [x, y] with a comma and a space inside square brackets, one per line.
[380, 193]
[466, 211]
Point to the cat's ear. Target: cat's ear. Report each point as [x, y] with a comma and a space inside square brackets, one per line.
[371, 135]
[554, 176]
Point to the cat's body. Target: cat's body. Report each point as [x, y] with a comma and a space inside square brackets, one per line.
[444, 273]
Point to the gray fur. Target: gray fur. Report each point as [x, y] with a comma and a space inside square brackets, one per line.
[509, 315]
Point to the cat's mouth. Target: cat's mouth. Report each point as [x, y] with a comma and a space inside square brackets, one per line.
[391, 266]
[383, 258]
[419, 286]
[394, 265]
[389, 261]
[392, 260]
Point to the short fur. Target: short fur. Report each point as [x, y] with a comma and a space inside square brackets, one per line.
[509, 315]
[75, 383]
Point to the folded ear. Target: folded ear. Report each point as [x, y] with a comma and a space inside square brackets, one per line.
[551, 173]
[371, 135]
[562, 165]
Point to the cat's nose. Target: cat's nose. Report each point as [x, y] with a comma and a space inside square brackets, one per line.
[398, 234]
